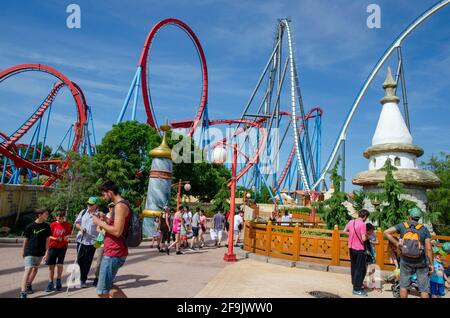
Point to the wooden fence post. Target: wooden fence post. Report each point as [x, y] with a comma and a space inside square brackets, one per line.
[379, 249]
[252, 237]
[335, 246]
[296, 239]
[268, 237]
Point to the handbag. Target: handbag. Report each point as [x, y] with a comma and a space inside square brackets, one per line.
[367, 252]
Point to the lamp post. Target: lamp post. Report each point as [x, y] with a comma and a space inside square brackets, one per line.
[229, 256]
[187, 187]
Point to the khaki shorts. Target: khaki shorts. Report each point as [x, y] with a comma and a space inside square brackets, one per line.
[421, 270]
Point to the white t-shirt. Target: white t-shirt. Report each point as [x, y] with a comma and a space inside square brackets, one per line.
[237, 220]
[285, 218]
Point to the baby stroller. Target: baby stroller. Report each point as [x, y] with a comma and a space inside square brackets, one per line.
[414, 287]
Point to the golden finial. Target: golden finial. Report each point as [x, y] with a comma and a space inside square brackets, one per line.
[163, 150]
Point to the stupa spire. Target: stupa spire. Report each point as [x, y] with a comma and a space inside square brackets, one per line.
[389, 86]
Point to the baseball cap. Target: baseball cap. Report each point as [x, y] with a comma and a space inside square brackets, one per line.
[415, 213]
[92, 200]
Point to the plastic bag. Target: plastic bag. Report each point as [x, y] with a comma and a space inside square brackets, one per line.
[99, 240]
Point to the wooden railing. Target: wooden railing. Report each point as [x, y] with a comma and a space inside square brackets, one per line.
[322, 246]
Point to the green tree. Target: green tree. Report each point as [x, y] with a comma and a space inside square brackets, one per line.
[72, 192]
[124, 157]
[221, 199]
[391, 208]
[439, 198]
[332, 210]
[358, 199]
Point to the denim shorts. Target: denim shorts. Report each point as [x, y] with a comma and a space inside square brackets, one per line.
[421, 270]
[32, 261]
[108, 271]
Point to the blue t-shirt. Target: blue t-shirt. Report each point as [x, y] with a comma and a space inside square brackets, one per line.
[219, 221]
[438, 273]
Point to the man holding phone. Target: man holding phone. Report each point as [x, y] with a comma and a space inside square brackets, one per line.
[86, 238]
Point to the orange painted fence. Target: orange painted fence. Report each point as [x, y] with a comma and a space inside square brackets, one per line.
[322, 246]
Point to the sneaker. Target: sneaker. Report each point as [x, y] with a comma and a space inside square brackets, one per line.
[58, 284]
[23, 295]
[50, 287]
[83, 285]
[360, 292]
[95, 282]
[179, 252]
[167, 251]
[29, 289]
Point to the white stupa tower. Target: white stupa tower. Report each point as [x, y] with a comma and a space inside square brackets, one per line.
[393, 140]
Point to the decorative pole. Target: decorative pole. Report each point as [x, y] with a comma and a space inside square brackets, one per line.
[229, 256]
[159, 185]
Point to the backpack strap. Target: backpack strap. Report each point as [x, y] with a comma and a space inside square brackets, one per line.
[418, 227]
[406, 224]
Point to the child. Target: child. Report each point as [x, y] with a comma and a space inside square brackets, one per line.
[59, 240]
[437, 280]
[369, 280]
[35, 248]
[394, 256]
[99, 243]
[156, 234]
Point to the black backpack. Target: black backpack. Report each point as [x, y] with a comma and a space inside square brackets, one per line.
[133, 234]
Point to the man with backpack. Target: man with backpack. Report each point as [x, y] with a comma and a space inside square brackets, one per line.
[416, 253]
[122, 230]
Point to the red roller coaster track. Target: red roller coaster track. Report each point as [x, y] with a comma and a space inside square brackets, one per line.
[80, 102]
[143, 65]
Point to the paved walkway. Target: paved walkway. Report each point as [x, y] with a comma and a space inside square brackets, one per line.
[203, 273]
[146, 273]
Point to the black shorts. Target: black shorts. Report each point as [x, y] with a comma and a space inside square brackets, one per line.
[56, 255]
[194, 231]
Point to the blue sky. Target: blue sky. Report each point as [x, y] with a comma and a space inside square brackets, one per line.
[335, 52]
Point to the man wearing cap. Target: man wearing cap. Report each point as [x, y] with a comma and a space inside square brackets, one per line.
[86, 238]
[422, 265]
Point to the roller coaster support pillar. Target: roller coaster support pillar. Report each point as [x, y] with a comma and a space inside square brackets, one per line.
[135, 83]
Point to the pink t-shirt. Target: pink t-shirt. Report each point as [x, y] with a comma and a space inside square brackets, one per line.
[355, 242]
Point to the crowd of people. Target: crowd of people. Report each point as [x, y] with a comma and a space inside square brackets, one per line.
[103, 236]
[184, 230]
